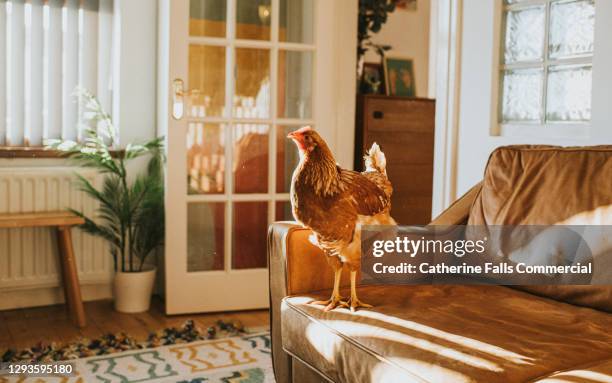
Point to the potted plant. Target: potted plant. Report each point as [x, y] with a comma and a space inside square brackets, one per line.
[130, 216]
[372, 16]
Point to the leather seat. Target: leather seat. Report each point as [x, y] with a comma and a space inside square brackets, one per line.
[444, 334]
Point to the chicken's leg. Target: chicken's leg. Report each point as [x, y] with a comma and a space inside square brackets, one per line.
[336, 299]
[354, 302]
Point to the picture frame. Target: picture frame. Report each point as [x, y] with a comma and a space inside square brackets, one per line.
[373, 79]
[406, 5]
[399, 76]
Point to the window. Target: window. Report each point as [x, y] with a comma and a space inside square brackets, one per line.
[546, 62]
[47, 49]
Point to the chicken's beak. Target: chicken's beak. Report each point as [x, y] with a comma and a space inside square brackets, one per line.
[297, 136]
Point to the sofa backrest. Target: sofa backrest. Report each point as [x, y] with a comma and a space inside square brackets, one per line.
[546, 185]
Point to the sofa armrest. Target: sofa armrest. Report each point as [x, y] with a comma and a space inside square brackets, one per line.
[277, 244]
[459, 211]
[296, 266]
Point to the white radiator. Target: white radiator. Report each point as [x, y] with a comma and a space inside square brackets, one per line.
[28, 257]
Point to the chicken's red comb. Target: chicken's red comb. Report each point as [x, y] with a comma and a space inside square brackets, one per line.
[303, 130]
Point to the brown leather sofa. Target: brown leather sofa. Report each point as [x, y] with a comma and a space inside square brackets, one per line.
[435, 333]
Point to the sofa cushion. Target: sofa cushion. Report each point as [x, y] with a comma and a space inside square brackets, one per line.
[444, 334]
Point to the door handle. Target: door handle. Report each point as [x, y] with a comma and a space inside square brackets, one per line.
[378, 114]
[178, 99]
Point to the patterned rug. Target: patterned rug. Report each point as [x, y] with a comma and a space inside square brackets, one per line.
[244, 359]
[111, 343]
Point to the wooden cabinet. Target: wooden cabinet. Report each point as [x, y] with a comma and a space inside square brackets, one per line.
[404, 129]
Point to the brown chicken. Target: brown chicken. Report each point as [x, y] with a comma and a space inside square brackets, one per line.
[334, 203]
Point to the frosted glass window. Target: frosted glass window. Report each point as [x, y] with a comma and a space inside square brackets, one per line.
[522, 95]
[572, 28]
[569, 93]
[525, 34]
[546, 61]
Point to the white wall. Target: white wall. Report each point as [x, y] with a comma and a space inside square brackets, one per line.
[408, 34]
[138, 73]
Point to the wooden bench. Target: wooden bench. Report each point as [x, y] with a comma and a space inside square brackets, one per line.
[63, 222]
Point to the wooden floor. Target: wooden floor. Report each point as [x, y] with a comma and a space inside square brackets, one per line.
[26, 327]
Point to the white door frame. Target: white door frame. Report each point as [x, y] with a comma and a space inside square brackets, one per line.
[448, 85]
[333, 114]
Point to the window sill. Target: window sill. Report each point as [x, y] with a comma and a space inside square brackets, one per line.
[29, 152]
[37, 152]
[572, 131]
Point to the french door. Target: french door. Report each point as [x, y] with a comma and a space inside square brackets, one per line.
[241, 75]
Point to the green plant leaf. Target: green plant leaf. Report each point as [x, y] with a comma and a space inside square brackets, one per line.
[130, 216]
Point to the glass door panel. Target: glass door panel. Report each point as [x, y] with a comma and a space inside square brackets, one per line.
[296, 21]
[287, 158]
[283, 211]
[205, 236]
[205, 158]
[207, 18]
[206, 81]
[252, 93]
[249, 235]
[295, 84]
[253, 19]
[250, 158]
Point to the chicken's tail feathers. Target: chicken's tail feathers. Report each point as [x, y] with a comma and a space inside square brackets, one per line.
[375, 160]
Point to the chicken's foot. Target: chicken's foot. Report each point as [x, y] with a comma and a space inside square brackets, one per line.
[353, 301]
[336, 299]
[331, 303]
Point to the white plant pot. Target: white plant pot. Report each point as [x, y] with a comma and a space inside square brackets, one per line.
[133, 291]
